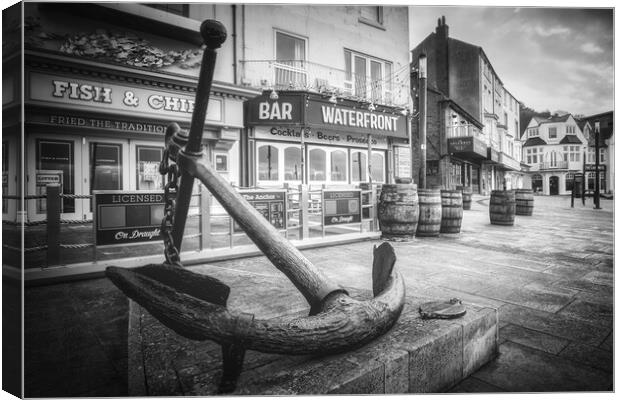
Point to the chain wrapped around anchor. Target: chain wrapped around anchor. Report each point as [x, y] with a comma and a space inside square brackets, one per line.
[194, 305]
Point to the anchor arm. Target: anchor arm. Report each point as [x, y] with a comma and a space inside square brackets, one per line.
[342, 324]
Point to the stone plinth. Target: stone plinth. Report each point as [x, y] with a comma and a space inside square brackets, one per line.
[416, 356]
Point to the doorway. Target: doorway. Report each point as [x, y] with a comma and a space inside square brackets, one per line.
[554, 185]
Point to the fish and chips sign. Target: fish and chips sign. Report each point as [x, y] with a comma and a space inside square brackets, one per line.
[127, 217]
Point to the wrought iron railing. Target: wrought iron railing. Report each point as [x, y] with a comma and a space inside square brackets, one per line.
[554, 165]
[303, 75]
[464, 130]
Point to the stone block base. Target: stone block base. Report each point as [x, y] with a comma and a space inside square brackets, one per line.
[416, 356]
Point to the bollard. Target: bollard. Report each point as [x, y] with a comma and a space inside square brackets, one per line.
[53, 224]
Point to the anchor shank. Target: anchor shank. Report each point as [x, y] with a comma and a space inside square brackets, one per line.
[203, 90]
[308, 279]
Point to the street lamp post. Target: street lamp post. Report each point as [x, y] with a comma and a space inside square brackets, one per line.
[597, 193]
[422, 118]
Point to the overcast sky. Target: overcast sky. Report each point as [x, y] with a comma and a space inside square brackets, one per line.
[548, 58]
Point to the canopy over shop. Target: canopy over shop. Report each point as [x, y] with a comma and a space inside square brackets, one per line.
[302, 137]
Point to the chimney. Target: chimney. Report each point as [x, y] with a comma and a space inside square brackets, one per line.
[442, 56]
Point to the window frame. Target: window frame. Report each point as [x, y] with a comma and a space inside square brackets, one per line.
[292, 69]
[377, 22]
[350, 77]
[555, 132]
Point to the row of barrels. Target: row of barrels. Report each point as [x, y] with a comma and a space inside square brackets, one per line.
[505, 204]
[404, 211]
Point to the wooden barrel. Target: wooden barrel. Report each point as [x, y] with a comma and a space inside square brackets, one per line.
[398, 211]
[451, 211]
[524, 199]
[429, 222]
[467, 192]
[502, 207]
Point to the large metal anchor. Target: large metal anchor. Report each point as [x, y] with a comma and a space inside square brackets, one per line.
[194, 305]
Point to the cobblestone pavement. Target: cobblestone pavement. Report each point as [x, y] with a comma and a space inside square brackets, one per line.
[550, 275]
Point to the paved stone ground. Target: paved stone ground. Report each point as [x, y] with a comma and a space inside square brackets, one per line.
[550, 276]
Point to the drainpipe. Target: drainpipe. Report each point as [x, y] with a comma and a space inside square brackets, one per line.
[234, 40]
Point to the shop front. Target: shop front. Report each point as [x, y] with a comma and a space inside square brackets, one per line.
[99, 128]
[466, 154]
[304, 138]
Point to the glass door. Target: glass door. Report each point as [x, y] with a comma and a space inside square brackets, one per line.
[106, 167]
[53, 161]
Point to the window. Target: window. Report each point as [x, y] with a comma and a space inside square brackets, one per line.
[338, 160]
[371, 14]
[572, 153]
[358, 166]
[57, 156]
[570, 129]
[147, 174]
[290, 66]
[267, 163]
[553, 133]
[221, 162]
[5, 177]
[532, 132]
[569, 181]
[106, 166]
[292, 164]
[601, 155]
[591, 156]
[537, 183]
[532, 155]
[317, 165]
[377, 167]
[368, 77]
[173, 8]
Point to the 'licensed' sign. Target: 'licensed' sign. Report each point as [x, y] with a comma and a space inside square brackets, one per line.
[127, 216]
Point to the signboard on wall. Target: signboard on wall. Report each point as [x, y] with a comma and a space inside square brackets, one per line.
[319, 136]
[123, 217]
[270, 203]
[402, 161]
[342, 207]
[103, 95]
[43, 178]
[298, 109]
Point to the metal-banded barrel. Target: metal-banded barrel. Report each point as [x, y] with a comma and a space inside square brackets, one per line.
[398, 211]
[524, 199]
[502, 207]
[467, 192]
[451, 211]
[429, 222]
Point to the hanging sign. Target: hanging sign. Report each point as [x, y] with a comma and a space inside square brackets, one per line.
[342, 207]
[123, 217]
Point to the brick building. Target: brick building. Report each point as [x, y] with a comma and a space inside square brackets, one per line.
[473, 120]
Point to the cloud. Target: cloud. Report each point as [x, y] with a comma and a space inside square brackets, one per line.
[556, 30]
[591, 48]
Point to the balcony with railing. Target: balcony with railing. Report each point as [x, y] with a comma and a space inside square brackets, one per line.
[464, 131]
[553, 165]
[303, 75]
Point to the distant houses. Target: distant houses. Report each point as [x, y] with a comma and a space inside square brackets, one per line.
[557, 148]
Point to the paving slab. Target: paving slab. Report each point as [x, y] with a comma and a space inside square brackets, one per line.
[531, 338]
[553, 324]
[512, 371]
[589, 355]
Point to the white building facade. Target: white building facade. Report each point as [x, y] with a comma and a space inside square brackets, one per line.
[554, 150]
